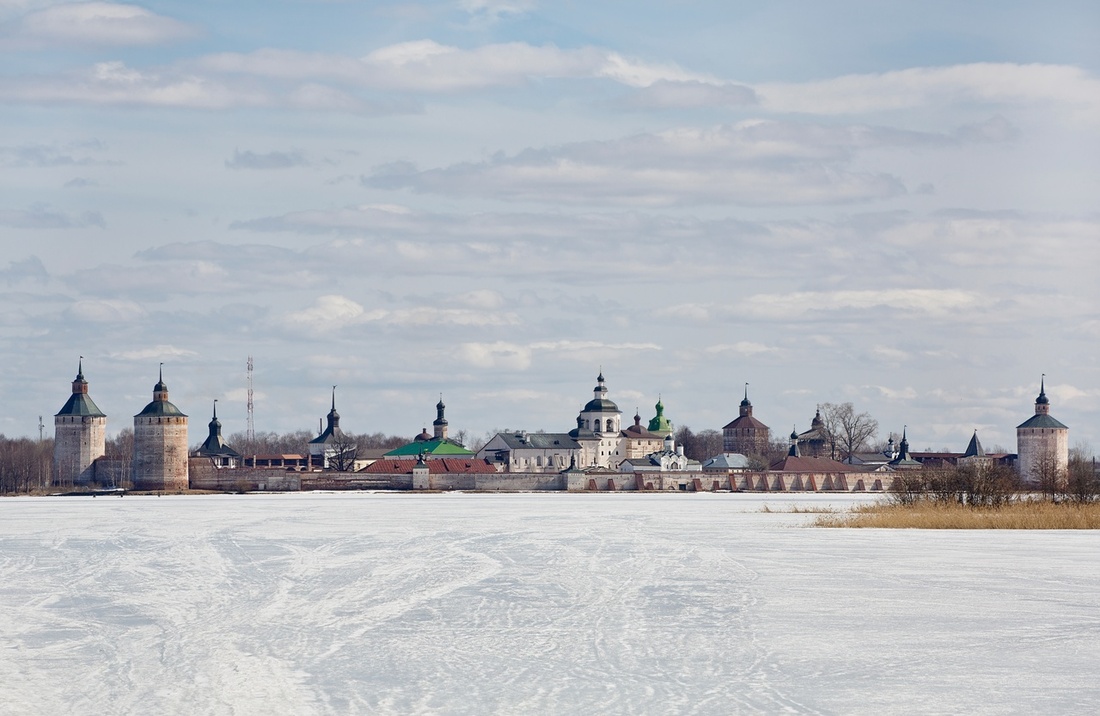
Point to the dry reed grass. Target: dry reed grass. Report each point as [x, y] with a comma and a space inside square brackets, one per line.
[1027, 515]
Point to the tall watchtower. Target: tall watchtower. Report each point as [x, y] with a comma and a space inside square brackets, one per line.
[160, 443]
[1042, 444]
[80, 435]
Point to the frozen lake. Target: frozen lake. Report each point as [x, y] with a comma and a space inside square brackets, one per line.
[514, 604]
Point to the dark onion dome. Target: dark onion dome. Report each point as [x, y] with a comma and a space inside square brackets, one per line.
[600, 405]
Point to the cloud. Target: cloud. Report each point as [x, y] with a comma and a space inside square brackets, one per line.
[114, 83]
[106, 311]
[80, 183]
[41, 217]
[160, 351]
[759, 163]
[889, 354]
[983, 82]
[270, 160]
[333, 314]
[904, 394]
[939, 302]
[54, 155]
[743, 348]
[498, 354]
[99, 23]
[496, 9]
[426, 66]
[28, 269]
[688, 94]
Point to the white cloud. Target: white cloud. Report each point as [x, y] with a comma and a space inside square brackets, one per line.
[428, 66]
[939, 302]
[983, 82]
[106, 311]
[904, 394]
[268, 160]
[497, 8]
[498, 354]
[689, 94]
[750, 163]
[154, 352]
[889, 354]
[43, 217]
[100, 23]
[743, 348]
[329, 313]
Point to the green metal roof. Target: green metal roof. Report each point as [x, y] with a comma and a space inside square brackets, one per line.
[429, 447]
[161, 408]
[1041, 421]
[82, 405]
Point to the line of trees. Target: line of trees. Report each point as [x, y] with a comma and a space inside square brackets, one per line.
[25, 465]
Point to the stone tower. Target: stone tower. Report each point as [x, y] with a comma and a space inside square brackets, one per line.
[160, 443]
[1042, 444]
[80, 435]
[746, 435]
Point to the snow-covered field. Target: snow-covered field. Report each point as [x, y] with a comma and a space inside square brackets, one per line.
[515, 604]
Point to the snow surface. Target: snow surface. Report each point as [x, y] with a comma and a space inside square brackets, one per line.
[532, 603]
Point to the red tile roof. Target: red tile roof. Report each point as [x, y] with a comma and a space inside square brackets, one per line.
[436, 466]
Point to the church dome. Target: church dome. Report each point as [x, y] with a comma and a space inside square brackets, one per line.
[601, 405]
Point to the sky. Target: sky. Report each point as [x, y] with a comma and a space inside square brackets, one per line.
[494, 200]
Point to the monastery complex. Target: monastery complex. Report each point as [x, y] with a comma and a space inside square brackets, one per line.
[598, 454]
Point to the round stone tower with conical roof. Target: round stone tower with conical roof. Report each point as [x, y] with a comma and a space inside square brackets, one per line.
[80, 435]
[160, 443]
[1042, 444]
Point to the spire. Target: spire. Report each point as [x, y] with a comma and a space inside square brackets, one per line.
[793, 451]
[160, 390]
[215, 445]
[746, 406]
[79, 384]
[1042, 399]
[974, 449]
[333, 417]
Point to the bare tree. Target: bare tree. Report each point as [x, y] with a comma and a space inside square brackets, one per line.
[1082, 482]
[847, 431]
[344, 451]
[113, 469]
[1050, 475]
[25, 465]
[701, 445]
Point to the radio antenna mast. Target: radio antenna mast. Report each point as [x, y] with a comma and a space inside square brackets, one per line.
[251, 427]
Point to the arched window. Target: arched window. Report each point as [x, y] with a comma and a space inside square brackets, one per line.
[610, 425]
